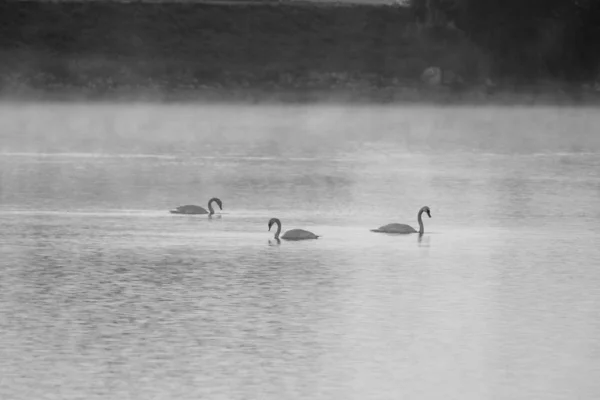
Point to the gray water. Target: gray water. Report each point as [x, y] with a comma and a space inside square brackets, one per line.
[105, 295]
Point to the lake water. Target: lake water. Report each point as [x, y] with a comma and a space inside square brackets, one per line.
[105, 295]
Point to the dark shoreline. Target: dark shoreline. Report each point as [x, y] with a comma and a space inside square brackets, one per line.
[398, 96]
[263, 52]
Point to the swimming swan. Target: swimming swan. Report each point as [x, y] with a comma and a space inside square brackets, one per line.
[403, 228]
[190, 209]
[294, 234]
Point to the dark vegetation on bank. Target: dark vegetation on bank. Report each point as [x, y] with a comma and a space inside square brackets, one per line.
[527, 40]
[283, 51]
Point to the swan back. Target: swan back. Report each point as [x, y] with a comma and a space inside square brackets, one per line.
[189, 209]
[299, 234]
[395, 228]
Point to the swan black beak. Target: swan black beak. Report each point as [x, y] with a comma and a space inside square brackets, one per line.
[428, 213]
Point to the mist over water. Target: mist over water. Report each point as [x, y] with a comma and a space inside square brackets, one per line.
[104, 294]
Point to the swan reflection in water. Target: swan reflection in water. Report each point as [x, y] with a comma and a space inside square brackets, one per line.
[192, 209]
[274, 242]
[403, 228]
[294, 234]
[424, 243]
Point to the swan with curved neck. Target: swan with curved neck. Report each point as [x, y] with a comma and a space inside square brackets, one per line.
[294, 234]
[403, 228]
[191, 209]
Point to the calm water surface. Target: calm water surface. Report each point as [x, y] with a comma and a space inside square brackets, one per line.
[105, 295]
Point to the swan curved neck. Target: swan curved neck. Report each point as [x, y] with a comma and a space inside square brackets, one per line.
[210, 207]
[420, 219]
[278, 222]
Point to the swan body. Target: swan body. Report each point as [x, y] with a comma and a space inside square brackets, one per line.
[403, 228]
[192, 209]
[294, 234]
[395, 228]
[298, 234]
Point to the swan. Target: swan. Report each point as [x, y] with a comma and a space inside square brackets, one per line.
[403, 228]
[294, 234]
[191, 209]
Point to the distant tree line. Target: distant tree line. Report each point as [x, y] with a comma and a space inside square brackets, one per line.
[105, 44]
[527, 39]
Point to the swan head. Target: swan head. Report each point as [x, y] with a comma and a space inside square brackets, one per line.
[218, 201]
[272, 221]
[426, 210]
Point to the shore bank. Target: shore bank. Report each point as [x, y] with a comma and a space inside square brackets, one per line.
[288, 52]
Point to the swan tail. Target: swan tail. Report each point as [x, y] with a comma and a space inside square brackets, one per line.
[375, 230]
[175, 212]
